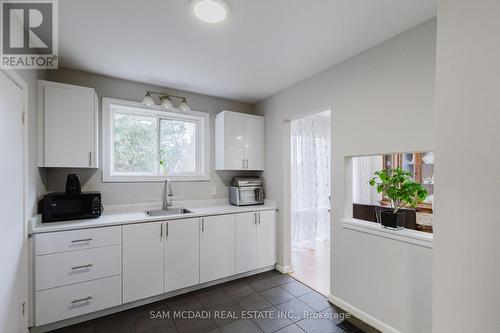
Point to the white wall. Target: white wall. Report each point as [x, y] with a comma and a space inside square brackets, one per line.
[382, 101]
[466, 277]
[125, 193]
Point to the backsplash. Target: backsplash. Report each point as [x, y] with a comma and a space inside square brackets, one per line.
[128, 193]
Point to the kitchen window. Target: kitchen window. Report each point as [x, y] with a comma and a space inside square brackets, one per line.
[142, 143]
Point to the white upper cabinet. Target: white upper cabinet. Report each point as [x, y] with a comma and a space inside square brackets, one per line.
[67, 126]
[239, 141]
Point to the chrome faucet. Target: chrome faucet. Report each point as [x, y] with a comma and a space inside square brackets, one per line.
[168, 197]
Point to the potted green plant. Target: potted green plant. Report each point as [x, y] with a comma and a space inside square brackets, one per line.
[403, 192]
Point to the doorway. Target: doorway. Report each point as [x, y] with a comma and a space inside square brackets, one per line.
[310, 158]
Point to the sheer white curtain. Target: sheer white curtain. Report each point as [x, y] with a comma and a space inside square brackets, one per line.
[363, 168]
[310, 182]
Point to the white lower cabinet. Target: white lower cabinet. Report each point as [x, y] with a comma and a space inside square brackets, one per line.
[255, 240]
[217, 247]
[60, 269]
[77, 299]
[182, 254]
[83, 271]
[246, 242]
[266, 238]
[142, 260]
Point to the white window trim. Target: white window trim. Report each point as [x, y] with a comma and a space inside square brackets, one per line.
[203, 118]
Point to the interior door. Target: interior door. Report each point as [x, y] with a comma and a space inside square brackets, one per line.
[266, 238]
[12, 238]
[217, 247]
[142, 260]
[182, 254]
[254, 138]
[246, 242]
[234, 141]
[69, 131]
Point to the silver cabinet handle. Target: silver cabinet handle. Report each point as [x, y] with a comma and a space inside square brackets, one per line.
[246, 163]
[82, 266]
[259, 217]
[81, 240]
[161, 231]
[243, 163]
[255, 218]
[202, 225]
[166, 234]
[85, 299]
[90, 158]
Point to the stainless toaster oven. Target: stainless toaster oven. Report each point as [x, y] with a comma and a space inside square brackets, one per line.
[245, 191]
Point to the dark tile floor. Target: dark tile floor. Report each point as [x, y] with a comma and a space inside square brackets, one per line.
[267, 302]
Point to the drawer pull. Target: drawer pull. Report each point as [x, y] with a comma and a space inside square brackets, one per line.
[81, 240]
[82, 266]
[79, 300]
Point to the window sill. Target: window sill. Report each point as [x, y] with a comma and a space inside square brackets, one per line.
[404, 235]
[150, 179]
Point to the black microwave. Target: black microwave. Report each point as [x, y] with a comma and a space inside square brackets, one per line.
[59, 206]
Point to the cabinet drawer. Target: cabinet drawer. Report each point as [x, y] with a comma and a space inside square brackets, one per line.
[64, 241]
[70, 301]
[59, 269]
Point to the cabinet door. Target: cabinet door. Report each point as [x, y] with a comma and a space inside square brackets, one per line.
[246, 242]
[142, 261]
[217, 247]
[182, 254]
[69, 126]
[234, 144]
[266, 238]
[254, 142]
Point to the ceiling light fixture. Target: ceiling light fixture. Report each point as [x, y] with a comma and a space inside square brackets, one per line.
[210, 11]
[184, 106]
[166, 101]
[148, 100]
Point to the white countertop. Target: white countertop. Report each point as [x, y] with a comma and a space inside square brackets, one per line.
[119, 215]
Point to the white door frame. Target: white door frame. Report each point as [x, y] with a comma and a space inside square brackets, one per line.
[17, 80]
[286, 265]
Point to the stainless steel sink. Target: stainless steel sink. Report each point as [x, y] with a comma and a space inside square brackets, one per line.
[168, 212]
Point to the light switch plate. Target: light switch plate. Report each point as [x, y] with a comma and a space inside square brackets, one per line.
[214, 191]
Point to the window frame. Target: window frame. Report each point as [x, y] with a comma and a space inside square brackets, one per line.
[202, 119]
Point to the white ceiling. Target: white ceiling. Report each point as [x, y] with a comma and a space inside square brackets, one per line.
[262, 48]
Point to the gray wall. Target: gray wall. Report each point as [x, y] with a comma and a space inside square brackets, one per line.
[466, 276]
[126, 193]
[382, 100]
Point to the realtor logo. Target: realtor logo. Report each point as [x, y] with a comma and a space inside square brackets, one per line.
[29, 34]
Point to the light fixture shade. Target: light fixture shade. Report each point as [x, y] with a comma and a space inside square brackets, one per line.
[184, 106]
[210, 11]
[148, 100]
[166, 103]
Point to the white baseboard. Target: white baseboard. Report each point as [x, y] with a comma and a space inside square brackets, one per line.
[368, 319]
[284, 269]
